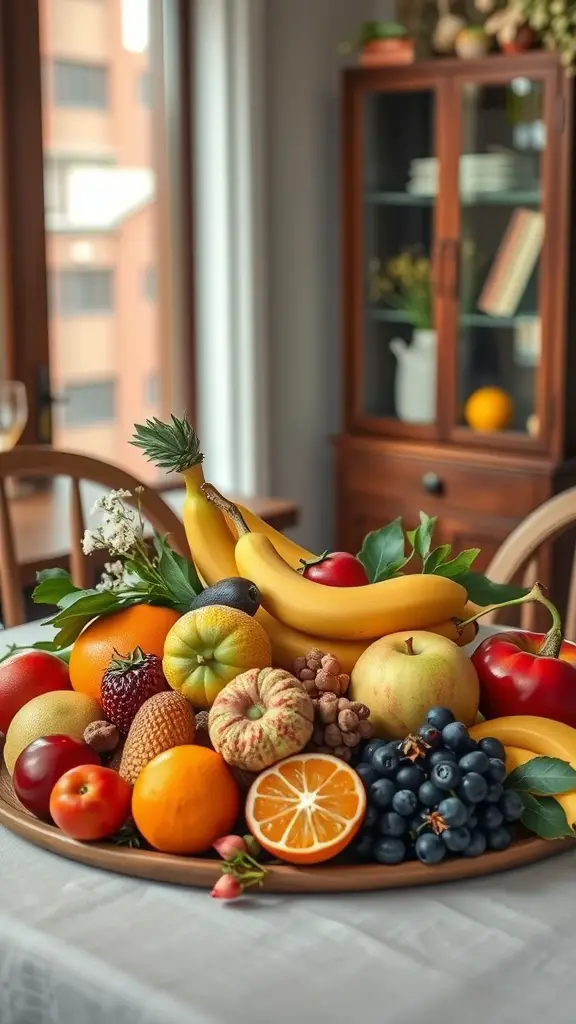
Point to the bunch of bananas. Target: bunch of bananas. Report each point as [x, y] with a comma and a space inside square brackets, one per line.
[297, 613]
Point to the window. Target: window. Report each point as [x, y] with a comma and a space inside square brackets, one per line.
[86, 404]
[145, 88]
[149, 284]
[81, 292]
[58, 178]
[80, 85]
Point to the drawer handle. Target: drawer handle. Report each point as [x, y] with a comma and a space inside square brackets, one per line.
[432, 483]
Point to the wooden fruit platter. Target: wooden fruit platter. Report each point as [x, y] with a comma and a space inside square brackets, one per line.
[203, 872]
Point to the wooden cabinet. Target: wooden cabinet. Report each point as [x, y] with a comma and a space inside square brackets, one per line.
[457, 237]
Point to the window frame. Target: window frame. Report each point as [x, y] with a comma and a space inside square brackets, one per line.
[22, 231]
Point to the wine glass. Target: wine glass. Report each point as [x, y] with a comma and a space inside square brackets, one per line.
[13, 412]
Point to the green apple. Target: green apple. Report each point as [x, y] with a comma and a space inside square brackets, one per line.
[403, 675]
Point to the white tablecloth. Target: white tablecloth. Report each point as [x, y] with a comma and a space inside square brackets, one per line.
[79, 946]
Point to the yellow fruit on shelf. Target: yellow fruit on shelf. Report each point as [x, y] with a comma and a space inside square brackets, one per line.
[489, 409]
[61, 712]
[210, 646]
[515, 757]
[345, 613]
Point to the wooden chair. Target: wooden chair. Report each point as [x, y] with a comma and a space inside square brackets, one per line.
[43, 461]
[519, 551]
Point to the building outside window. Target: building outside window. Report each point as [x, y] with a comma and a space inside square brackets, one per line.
[86, 404]
[80, 85]
[84, 291]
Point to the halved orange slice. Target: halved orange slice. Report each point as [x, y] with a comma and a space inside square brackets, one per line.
[307, 808]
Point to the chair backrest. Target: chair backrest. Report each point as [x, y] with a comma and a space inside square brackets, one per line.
[40, 461]
[519, 551]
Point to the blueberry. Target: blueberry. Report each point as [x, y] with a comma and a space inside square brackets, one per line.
[473, 788]
[429, 848]
[363, 844]
[499, 839]
[386, 762]
[476, 846]
[511, 805]
[381, 792]
[446, 775]
[453, 812]
[430, 735]
[389, 851]
[472, 822]
[371, 816]
[440, 718]
[370, 748]
[367, 773]
[456, 839]
[405, 802]
[492, 748]
[411, 776]
[429, 795]
[441, 756]
[491, 818]
[496, 770]
[494, 793]
[474, 762]
[457, 738]
[393, 824]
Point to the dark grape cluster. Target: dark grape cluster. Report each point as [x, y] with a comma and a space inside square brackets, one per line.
[436, 793]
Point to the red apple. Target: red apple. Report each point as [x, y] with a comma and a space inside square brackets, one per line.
[42, 764]
[27, 675]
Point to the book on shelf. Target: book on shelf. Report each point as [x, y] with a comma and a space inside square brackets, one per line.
[513, 264]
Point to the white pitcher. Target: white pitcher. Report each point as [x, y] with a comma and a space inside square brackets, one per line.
[415, 385]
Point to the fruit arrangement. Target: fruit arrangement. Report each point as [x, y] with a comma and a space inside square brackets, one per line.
[264, 704]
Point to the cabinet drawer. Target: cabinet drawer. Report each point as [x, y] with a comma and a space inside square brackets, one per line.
[436, 485]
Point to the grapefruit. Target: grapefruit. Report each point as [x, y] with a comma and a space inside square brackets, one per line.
[143, 626]
[61, 712]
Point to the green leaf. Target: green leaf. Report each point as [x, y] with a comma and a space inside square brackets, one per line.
[483, 591]
[382, 552]
[436, 557]
[456, 566]
[86, 604]
[545, 776]
[421, 538]
[544, 816]
[178, 574]
[53, 585]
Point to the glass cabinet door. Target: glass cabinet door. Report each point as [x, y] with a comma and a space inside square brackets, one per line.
[401, 183]
[497, 258]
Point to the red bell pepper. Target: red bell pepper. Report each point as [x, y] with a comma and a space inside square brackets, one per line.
[524, 673]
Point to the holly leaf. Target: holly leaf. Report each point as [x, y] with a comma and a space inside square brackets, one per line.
[544, 776]
[436, 557]
[421, 537]
[456, 566]
[545, 816]
[382, 552]
[483, 591]
[52, 586]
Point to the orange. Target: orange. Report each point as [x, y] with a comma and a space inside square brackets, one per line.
[140, 626]
[489, 409]
[307, 808]
[185, 799]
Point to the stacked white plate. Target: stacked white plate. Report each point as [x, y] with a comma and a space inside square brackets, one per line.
[479, 172]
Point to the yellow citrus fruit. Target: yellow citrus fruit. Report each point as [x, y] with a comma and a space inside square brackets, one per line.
[62, 712]
[185, 799]
[210, 646]
[489, 409]
[307, 808]
[143, 626]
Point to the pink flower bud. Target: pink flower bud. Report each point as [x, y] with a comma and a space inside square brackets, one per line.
[229, 846]
[227, 888]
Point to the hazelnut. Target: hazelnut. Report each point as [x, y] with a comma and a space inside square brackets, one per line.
[102, 736]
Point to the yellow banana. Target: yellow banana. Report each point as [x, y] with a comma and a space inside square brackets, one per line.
[290, 551]
[348, 613]
[209, 539]
[540, 735]
[516, 757]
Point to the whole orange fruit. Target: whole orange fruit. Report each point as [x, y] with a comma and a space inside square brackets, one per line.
[489, 409]
[140, 626]
[185, 799]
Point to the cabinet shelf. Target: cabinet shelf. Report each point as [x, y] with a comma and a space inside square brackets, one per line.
[396, 316]
[517, 197]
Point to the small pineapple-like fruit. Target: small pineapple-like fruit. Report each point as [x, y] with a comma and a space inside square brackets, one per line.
[320, 673]
[127, 683]
[164, 721]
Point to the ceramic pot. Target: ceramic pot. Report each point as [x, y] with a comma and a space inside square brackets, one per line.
[384, 52]
[415, 384]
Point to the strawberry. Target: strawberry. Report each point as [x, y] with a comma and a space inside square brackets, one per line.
[129, 681]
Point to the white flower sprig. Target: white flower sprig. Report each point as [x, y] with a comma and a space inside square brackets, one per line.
[121, 534]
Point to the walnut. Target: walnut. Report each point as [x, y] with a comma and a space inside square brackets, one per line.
[320, 673]
[102, 736]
